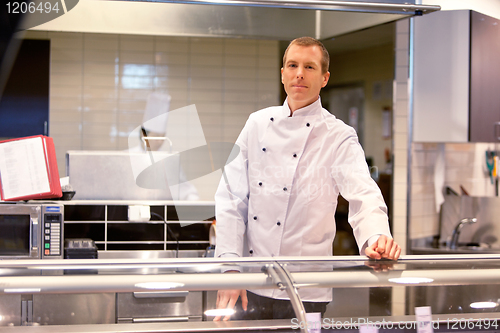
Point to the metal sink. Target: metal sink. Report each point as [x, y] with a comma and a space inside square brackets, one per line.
[479, 247]
[461, 249]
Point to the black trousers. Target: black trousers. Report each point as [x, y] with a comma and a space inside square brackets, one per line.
[261, 307]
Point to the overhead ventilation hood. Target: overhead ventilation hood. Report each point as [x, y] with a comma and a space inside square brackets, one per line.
[266, 19]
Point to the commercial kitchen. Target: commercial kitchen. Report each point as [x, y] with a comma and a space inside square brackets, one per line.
[113, 251]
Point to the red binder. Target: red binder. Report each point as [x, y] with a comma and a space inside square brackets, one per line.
[28, 169]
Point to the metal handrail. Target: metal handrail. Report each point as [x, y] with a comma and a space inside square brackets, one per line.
[125, 275]
[283, 281]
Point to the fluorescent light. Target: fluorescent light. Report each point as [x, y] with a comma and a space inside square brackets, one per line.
[159, 285]
[22, 290]
[411, 280]
[219, 312]
[483, 305]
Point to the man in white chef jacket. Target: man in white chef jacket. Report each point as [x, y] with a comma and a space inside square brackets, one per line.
[279, 196]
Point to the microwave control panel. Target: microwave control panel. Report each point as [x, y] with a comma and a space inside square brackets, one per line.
[52, 232]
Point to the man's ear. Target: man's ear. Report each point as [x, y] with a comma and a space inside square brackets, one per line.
[326, 77]
[281, 74]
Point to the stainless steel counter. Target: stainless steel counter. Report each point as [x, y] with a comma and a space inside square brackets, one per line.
[477, 250]
[209, 326]
[447, 283]
[338, 324]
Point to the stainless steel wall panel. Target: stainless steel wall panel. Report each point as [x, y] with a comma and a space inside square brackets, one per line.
[164, 306]
[10, 308]
[74, 309]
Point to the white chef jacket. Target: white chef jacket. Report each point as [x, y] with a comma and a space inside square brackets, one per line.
[280, 193]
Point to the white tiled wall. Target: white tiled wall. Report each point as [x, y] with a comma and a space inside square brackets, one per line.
[99, 84]
[400, 149]
[400, 128]
[465, 167]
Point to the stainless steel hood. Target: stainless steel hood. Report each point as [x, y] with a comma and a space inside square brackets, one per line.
[375, 6]
[267, 19]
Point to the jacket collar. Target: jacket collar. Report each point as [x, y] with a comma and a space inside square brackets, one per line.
[310, 110]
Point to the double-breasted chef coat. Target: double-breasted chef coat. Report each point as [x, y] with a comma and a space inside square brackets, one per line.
[279, 195]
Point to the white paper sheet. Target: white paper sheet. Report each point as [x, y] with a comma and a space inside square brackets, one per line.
[23, 168]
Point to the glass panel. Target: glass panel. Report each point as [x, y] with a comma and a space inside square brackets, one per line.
[14, 235]
[345, 291]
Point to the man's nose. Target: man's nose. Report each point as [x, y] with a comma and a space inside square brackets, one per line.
[300, 73]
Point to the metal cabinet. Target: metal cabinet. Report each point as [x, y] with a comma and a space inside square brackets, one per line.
[159, 306]
[484, 78]
[456, 77]
[73, 309]
[10, 308]
[57, 309]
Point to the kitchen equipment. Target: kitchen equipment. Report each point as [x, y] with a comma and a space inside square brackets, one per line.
[210, 251]
[159, 306]
[490, 163]
[456, 231]
[80, 248]
[113, 175]
[68, 195]
[31, 231]
[458, 208]
[67, 190]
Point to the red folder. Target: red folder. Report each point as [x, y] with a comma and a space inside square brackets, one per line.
[28, 169]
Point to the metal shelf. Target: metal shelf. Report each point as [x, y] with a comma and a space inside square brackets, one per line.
[111, 217]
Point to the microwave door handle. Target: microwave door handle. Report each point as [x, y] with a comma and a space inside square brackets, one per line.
[34, 232]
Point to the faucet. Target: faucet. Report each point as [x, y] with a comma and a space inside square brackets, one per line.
[456, 231]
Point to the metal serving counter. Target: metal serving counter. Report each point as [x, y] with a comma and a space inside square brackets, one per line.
[462, 291]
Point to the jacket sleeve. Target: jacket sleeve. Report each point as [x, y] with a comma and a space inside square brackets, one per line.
[231, 202]
[367, 208]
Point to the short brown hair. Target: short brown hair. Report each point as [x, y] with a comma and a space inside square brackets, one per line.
[309, 41]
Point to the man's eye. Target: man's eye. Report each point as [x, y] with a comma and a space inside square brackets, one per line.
[292, 65]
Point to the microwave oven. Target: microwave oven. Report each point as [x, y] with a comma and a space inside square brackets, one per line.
[31, 231]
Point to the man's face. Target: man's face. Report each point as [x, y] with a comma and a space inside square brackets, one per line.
[301, 75]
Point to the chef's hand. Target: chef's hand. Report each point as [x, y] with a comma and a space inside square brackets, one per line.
[227, 299]
[384, 248]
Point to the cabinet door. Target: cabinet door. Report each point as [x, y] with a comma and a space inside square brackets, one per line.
[485, 78]
[441, 77]
[24, 103]
[74, 309]
[10, 309]
[159, 306]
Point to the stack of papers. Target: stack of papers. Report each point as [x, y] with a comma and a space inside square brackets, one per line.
[28, 169]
